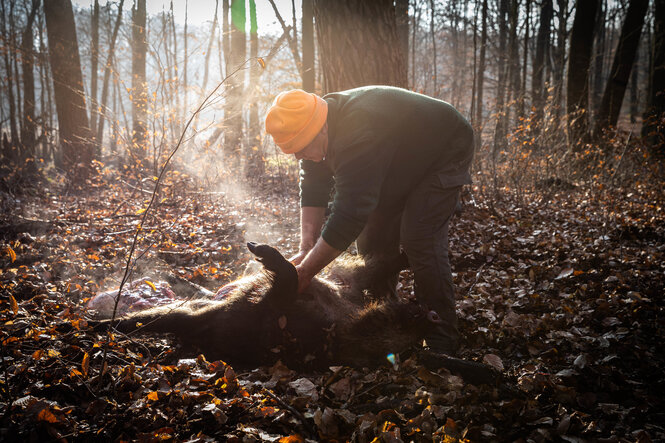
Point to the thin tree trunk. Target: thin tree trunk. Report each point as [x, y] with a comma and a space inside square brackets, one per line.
[226, 37]
[579, 61]
[185, 86]
[139, 85]
[560, 57]
[94, 60]
[598, 58]
[175, 82]
[114, 125]
[28, 126]
[514, 92]
[307, 28]
[481, 75]
[629, 40]
[538, 91]
[254, 166]
[14, 59]
[433, 37]
[75, 134]
[105, 85]
[233, 144]
[522, 98]
[402, 18]
[46, 97]
[500, 130]
[634, 93]
[13, 127]
[653, 127]
[414, 43]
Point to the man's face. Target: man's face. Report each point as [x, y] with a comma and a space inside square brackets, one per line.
[316, 150]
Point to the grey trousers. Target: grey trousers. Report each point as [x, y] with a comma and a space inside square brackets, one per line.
[422, 230]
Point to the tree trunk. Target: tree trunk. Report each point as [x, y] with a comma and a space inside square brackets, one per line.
[435, 89]
[629, 40]
[94, 60]
[414, 43]
[538, 91]
[139, 85]
[15, 59]
[307, 29]
[560, 56]
[500, 130]
[105, 86]
[634, 90]
[514, 92]
[579, 60]
[234, 120]
[653, 127]
[525, 59]
[75, 134]
[596, 79]
[184, 63]
[226, 37]
[357, 41]
[175, 81]
[28, 126]
[254, 167]
[402, 18]
[481, 76]
[11, 147]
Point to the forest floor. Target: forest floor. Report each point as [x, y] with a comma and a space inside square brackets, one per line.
[563, 291]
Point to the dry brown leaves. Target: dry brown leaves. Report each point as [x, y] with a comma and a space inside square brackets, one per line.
[564, 294]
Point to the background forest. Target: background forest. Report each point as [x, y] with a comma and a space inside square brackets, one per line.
[133, 150]
[541, 81]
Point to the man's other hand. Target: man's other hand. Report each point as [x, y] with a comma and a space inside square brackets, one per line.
[305, 277]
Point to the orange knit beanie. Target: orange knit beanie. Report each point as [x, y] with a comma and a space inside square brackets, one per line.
[295, 118]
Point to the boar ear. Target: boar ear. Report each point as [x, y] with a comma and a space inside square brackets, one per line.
[286, 277]
[269, 256]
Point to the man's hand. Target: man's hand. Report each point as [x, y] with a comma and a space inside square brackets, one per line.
[298, 258]
[305, 277]
[320, 255]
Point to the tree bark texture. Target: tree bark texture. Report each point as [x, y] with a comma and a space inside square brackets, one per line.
[307, 29]
[10, 148]
[139, 85]
[538, 90]
[596, 73]
[654, 120]
[254, 166]
[579, 61]
[481, 76]
[608, 114]
[358, 41]
[559, 55]
[234, 120]
[402, 17]
[75, 134]
[500, 129]
[27, 49]
[94, 63]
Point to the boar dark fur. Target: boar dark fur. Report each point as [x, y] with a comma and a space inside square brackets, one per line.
[262, 318]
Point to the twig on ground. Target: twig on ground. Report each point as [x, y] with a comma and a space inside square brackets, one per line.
[292, 410]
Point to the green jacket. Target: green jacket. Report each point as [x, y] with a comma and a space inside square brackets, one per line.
[382, 142]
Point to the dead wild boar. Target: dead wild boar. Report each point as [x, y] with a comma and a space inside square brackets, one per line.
[262, 318]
